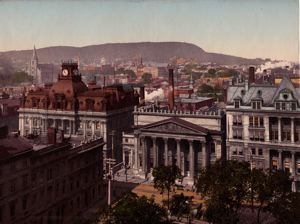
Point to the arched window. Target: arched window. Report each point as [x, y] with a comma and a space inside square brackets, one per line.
[90, 104]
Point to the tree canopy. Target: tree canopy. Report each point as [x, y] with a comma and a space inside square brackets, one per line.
[164, 179]
[132, 209]
[147, 78]
[229, 186]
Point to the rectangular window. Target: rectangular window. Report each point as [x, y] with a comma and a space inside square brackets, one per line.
[253, 151]
[260, 152]
[236, 104]
[283, 106]
[251, 121]
[12, 208]
[277, 106]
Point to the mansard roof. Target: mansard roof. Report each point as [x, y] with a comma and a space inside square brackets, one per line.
[178, 126]
[268, 93]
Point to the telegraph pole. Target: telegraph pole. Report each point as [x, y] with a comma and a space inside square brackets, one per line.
[110, 162]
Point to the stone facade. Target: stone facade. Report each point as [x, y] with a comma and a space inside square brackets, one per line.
[49, 184]
[190, 140]
[69, 105]
[263, 126]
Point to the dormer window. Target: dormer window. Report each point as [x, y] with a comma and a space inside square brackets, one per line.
[256, 105]
[236, 104]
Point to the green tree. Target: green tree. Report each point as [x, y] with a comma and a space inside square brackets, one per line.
[226, 186]
[212, 71]
[164, 179]
[204, 88]
[132, 209]
[131, 73]
[180, 206]
[147, 78]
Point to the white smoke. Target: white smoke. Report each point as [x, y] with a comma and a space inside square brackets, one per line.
[271, 65]
[155, 95]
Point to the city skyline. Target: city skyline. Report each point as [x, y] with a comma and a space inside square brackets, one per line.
[252, 29]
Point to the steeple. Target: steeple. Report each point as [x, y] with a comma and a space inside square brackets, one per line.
[34, 55]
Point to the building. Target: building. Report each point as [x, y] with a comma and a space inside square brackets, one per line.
[71, 106]
[41, 73]
[263, 125]
[189, 139]
[9, 111]
[48, 183]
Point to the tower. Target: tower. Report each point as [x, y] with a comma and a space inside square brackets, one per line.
[33, 66]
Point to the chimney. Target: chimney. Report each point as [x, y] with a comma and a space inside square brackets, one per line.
[142, 95]
[171, 89]
[51, 134]
[251, 75]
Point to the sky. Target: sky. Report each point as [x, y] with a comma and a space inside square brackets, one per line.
[247, 28]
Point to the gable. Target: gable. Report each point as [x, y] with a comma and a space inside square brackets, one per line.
[173, 126]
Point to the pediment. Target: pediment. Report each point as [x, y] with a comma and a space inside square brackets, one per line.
[174, 127]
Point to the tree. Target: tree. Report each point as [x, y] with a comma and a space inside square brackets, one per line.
[130, 73]
[283, 203]
[179, 206]
[212, 71]
[204, 88]
[147, 78]
[164, 179]
[132, 209]
[226, 186]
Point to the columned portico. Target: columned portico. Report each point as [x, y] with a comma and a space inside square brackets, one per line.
[160, 146]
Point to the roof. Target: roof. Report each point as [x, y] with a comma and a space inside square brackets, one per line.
[180, 122]
[12, 145]
[266, 92]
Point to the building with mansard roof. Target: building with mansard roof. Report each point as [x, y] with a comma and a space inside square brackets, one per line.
[263, 125]
[71, 106]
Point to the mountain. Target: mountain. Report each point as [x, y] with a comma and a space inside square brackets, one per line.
[149, 51]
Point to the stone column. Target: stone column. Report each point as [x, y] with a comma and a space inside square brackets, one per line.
[84, 128]
[155, 153]
[267, 128]
[178, 153]
[292, 130]
[192, 159]
[136, 154]
[30, 125]
[245, 123]
[166, 151]
[204, 161]
[293, 164]
[144, 154]
[93, 128]
[279, 129]
[279, 159]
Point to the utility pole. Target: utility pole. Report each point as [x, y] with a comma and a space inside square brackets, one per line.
[109, 175]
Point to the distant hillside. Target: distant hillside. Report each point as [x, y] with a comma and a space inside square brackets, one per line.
[149, 51]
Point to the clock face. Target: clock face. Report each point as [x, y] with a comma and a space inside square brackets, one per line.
[65, 72]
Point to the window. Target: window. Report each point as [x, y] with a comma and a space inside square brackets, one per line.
[236, 104]
[298, 166]
[12, 208]
[256, 135]
[240, 151]
[293, 106]
[274, 164]
[24, 202]
[287, 166]
[283, 106]
[260, 152]
[237, 134]
[25, 181]
[90, 105]
[253, 151]
[237, 120]
[212, 148]
[256, 105]
[13, 185]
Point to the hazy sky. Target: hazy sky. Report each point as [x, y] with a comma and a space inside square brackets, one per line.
[248, 28]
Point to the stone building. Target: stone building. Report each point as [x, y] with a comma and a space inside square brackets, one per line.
[263, 125]
[189, 139]
[41, 73]
[71, 106]
[48, 183]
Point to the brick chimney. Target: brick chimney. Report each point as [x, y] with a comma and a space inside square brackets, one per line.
[171, 90]
[251, 75]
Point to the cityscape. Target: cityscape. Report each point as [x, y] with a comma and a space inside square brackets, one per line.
[120, 112]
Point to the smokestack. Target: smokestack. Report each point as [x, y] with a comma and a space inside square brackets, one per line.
[251, 75]
[171, 89]
[142, 95]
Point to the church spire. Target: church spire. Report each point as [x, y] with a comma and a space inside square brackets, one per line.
[34, 55]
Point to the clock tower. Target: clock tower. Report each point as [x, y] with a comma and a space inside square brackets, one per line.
[69, 71]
